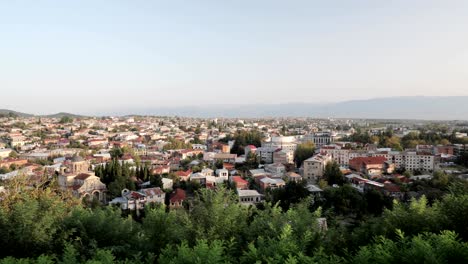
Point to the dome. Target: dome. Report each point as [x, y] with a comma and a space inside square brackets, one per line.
[77, 158]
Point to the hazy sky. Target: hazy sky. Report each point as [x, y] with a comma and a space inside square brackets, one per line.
[86, 56]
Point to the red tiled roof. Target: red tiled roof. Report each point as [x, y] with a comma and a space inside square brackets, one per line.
[238, 179]
[82, 176]
[177, 196]
[183, 173]
[392, 188]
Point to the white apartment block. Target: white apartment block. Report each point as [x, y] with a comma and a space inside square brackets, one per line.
[287, 144]
[409, 160]
[314, 167]
[414, 161]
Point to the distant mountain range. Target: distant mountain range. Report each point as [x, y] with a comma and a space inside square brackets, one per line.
[416, 107]
[20, 114]
[412, 107]
[7, 112]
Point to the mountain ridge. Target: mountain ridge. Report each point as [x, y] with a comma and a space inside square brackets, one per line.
[398, 107]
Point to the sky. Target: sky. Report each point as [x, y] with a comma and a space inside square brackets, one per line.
[92, 56]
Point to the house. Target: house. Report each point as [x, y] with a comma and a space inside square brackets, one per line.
[199, 146]
[250, 149]
[241, 184]
[97, 142]
[187, 153]
[292, 176]
[371, 165]
[177, 198]
[277, 169]
[222, 173]
[248, 197]
[207, 172]
[266, 154]
[225, 157]
[392, 190]
[314, 189]
[283, 156]
[154, 195]
[267, 182]
[362, 184]
[183, 175]
[258, 172]
[225, 148]
[136, 200]
[161, 169]
[167, 183]
[229, 166]
[198, 177]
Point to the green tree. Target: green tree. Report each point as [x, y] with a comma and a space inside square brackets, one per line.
[303, 152]
[203, 252]
[65, 120]
[291, 193]
[13, 154]
[333, 174]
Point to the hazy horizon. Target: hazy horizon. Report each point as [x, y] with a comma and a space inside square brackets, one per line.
[96, 56]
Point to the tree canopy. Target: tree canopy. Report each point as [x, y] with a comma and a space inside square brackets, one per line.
[303, 152]
[47, 225]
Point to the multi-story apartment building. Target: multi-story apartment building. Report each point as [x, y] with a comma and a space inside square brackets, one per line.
[266, 154]
[314, 167]
[283, 157]
[288, 143]
[320, 138]
[409, 160]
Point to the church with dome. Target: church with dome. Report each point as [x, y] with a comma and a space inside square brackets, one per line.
[83, 183]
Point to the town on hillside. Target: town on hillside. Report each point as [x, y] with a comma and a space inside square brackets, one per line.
[131, 162]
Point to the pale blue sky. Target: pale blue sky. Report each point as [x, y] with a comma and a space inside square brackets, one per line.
[88, 56]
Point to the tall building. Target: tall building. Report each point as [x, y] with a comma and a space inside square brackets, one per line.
[314, 167]
[320, 138]
[288, 143]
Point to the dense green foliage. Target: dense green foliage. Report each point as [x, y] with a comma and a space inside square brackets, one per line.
[119, 175]
[174, 143]
[244, 138]
[65, 120]
[333, 174]
[303, 152]
[47, 226]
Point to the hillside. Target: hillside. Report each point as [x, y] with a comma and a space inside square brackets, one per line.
[5, 112]
[417, 107]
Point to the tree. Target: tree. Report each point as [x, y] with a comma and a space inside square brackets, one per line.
[243, 139]
[444, 142]
[440, 179]
[216, 214]
[65, 120]
[13, 154]
[333, 174]
[116, 153]
[291, 193]
[303, 152]
[423, 248]
[203, 252]
[345, 200]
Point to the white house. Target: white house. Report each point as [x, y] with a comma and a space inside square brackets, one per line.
[248, 197]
